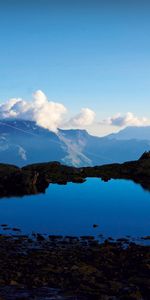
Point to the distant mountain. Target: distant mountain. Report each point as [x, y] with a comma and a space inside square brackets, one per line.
[132, 132]
[23, 142]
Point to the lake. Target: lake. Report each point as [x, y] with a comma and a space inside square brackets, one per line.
[119, 207]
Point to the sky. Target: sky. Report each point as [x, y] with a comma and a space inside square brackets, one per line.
[92, 57]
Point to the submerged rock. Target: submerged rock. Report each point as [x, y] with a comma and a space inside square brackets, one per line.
[146, 237]
[95, 225]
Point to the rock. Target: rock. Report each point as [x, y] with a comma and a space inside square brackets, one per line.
[95, 225]
[6, 228]
[16, 229]
[146, 237]
[40, 237]
[87, 237]
[87, 268]
[74, 268]
[145, 155]
[33, 179]
[13, 282]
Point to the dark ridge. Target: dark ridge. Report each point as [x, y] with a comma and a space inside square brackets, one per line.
[145, 155]
[35, 178]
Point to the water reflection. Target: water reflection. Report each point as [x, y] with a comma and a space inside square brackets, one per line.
[23, 190]
[118, 207]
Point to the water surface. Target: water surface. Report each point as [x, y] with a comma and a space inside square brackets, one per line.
[119, 207]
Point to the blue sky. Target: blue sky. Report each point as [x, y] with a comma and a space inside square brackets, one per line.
[93, 54]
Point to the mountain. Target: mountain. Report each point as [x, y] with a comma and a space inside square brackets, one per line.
[132, 132]
[23, 142]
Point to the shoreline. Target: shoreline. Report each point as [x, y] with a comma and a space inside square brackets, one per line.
[35, 178]
[69, 268]
[80, 267]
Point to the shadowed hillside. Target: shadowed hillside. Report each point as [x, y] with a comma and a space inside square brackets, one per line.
[23, 142]
[35, 178]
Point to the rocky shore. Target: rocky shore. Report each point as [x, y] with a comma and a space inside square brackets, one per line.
[33, 179]
[73, 268]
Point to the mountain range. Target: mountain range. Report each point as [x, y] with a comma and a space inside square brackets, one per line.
[23, 142]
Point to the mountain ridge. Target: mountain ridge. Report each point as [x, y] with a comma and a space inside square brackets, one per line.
[23, 142]
[35, 178]
[132, 132]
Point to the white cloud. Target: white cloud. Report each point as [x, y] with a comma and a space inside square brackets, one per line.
[84, 118]
[52, 115]
[45, 113]
[22, 153]
[128, 119]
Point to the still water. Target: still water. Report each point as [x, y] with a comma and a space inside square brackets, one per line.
[119, 207]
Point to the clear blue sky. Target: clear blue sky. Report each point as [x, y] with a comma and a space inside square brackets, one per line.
[92, 53]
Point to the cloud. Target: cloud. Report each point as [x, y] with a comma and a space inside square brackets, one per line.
[47, 114]
[84, 118]
[3, 143]
[22, 153]
[128, 119]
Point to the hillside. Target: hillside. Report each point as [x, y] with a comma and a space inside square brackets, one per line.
[23, 142]
[35, 178]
